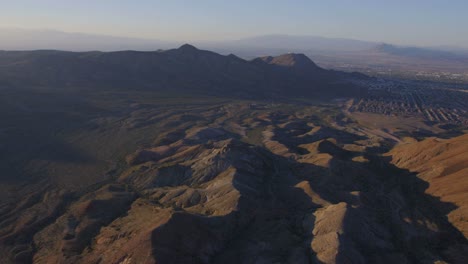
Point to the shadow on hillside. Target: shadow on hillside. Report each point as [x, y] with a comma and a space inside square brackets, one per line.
[414, 223]
[417, 221]
[267, 226]
[20, 151]
[388, 217]
[34, 123]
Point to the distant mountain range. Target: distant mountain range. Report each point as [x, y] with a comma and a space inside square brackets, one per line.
[186, 69]
[423, 53]
[188, 156]
[32, 39]
[293, 43]
[331, 53]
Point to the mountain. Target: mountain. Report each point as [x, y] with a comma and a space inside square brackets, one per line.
[415, 52]
[184, 69]
[296, 61]
[261, 46]
[188, 156]
[34, 39]
[442, 164]
[151, 178]
[331, 53]
[304, 43]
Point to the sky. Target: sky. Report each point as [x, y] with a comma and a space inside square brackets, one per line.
[409, 22]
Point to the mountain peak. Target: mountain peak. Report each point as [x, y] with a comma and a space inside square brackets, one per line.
[187, 47]
[295, 60]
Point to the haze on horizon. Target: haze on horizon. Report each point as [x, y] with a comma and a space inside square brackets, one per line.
[421, 23]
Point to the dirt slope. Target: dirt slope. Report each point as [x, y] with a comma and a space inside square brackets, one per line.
[443, 164]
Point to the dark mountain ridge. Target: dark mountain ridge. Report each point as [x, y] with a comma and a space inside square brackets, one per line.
[184, 69]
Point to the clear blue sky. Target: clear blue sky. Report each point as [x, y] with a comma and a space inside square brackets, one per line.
[420, 22]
